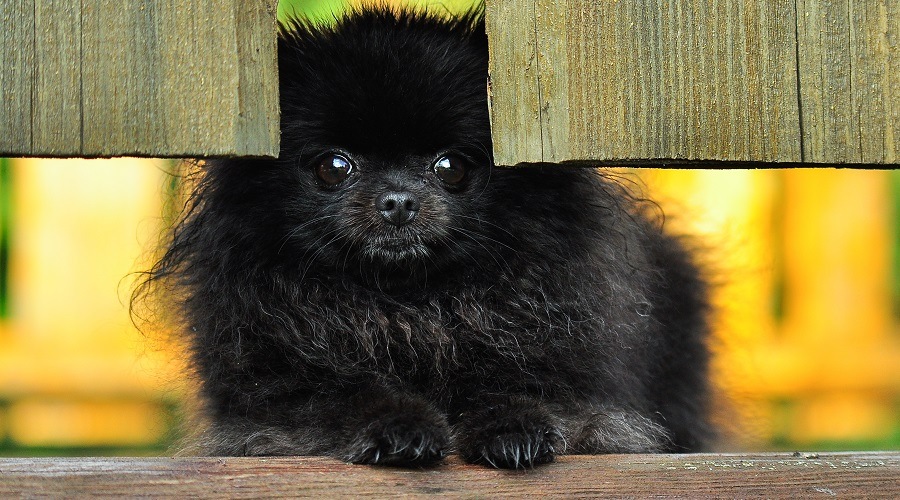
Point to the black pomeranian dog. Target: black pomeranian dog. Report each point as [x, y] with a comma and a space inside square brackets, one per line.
[382, 293]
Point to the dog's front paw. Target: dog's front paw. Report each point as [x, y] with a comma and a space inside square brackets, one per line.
[510, 437]
[404, 440]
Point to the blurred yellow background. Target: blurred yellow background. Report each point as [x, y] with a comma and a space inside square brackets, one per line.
[807, 263]
[75, 374]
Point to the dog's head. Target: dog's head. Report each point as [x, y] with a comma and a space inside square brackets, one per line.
[386, 159]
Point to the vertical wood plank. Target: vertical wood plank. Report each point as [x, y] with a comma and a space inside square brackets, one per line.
[56, 102]
[514, 85]
[582, 120]
[139, 77]
[848, 79]
[659, 79]
[235, 78]
[121, 59]
[778, 81]
[552, 76]
[824, 81]
[889, 23]
[209, 82]
[16, 73]
[151, 99]
[772, 77]
[257, 127]
[875, 78]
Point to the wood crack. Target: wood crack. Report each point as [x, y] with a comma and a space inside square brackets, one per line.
[799, 87]
[540, 91]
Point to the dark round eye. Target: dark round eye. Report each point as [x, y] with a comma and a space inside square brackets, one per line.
[451, 170]
[334, 169]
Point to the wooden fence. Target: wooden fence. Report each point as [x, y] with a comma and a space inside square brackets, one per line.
[812, 81]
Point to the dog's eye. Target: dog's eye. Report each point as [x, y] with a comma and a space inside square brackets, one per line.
[334, 169]
[451, 170]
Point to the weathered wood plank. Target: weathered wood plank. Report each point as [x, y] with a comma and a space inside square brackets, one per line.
[517, 75]
[16, 74]
[144, 78]
[122, 77]
[775, 81]
[255, 49]
[873, 475]
[848, 60]
[56, 102]
[199, 88]
[875, 98]
[772, 82]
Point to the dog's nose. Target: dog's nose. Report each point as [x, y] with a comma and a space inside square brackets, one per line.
[397, 207]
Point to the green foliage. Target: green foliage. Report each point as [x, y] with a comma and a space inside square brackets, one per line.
[171, 409]
[319, 10]
[326, 10]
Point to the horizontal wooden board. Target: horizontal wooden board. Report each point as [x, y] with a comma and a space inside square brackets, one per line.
[795, 81]
[138, 78]
[772, 475]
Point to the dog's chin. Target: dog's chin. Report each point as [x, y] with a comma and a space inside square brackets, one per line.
[395, 265]
[396, 251]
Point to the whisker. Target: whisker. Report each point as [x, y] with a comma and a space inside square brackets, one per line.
[490, 224]
[472, 234]
[297, 229]
[474, 237]
[319, 249]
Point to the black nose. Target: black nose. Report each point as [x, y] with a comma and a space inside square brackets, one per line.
[397, 207]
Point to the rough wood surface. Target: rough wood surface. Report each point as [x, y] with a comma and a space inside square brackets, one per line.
[56, 110]
[16, 67]
[138, 77]
[777, 81]
[849, 67]
[870, 475]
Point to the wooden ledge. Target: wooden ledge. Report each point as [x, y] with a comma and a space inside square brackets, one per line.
[875, 474]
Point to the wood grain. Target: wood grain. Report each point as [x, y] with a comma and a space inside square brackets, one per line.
[849, 62]
[16, 74]
[873, 475]
[138, 77]
[257, 96]
[515, 73]
[56, 92]
[719, 80]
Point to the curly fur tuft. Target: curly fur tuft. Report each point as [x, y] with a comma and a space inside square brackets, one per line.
[523, 312]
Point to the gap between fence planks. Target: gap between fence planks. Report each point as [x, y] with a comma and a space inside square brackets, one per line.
[800, 475]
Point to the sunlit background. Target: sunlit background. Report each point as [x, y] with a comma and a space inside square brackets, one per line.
[807, 330]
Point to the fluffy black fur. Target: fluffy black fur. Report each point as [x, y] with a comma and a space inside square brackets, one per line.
[524, 312]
